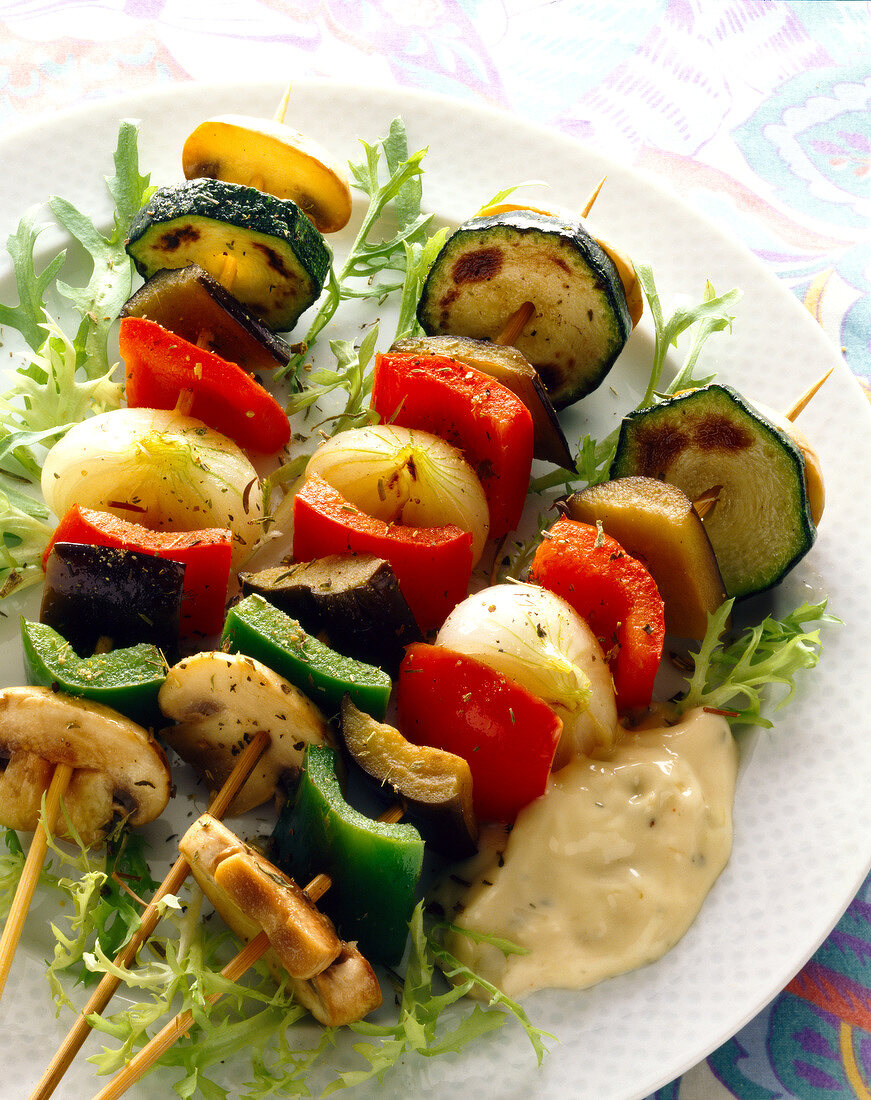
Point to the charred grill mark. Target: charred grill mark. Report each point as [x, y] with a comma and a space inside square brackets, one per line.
[718, 433]
[657, 449]
[478, 266]
[173, 238]
[273, 259]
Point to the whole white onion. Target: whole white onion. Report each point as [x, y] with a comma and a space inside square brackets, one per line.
[159, 469]
[405, 475]
[535, 638]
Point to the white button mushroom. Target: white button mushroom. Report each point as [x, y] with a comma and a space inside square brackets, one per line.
[219, 701]
[118, 768]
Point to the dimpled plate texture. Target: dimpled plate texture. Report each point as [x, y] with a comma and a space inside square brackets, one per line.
[802, 830]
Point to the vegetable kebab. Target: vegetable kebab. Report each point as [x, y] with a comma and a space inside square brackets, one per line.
[278, 920]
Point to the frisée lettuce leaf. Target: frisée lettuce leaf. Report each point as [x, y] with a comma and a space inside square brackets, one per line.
[732, 677]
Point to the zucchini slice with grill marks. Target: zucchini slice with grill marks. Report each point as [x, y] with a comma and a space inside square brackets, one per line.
[711, 438]
[492, 265]
[262, 249]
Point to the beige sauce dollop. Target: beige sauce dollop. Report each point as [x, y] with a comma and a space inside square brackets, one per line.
[608, 869]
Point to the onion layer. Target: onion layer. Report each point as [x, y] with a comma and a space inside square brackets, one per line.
[535, 638]
[401, 475]
[160, 469]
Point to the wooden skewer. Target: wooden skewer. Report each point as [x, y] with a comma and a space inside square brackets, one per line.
[705, 503]
[282, 106]
[588, 205]
[227, 275]
[805, 398]
[14, 926]
[171, 885]
[515, 324]
[180, 1024]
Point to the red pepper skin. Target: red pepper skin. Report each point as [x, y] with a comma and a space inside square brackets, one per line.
[617, 597]
[489, 423]
[433, 565]
[160, 365]
[506, 734]
[206, 555]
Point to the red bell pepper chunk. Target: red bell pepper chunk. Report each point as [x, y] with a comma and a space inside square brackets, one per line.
[508, 736]
[206, 556]
[617, 597]
[433, 565]
[161, 365]
[489, 423]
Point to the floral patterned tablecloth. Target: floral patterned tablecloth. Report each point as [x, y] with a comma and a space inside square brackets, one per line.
[757, 113]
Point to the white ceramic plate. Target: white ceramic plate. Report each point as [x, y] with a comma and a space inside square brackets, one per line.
[803, 832]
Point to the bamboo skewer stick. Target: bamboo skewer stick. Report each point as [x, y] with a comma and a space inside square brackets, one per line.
[281, 110]
[180, 1024]
[588, 205]
[173, 882]
[32, 866]
[515, 324]
[806, 397]
[704, 504]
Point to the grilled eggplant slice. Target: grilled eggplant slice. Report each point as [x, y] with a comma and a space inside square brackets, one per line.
[434, 786]
[492, 265]
[712, 439]
[353, 598]
[656, 523]
[193, 305]
[263, 249]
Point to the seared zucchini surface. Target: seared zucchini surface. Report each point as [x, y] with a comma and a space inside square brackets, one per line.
[262, 249]
[712, 439]
[492, 265]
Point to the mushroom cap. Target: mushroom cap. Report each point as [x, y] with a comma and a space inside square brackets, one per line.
[252, 895]
[118, 768]
[274, 158]
[219, 701]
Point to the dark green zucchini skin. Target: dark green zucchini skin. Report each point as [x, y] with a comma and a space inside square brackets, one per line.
[491, 265]
[761, 525]
[282, 260]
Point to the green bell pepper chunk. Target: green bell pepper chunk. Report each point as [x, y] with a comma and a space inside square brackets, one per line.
[127, 680]
[374, 866]
[259, 630]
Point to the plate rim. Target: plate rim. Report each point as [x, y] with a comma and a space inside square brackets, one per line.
[115, 105]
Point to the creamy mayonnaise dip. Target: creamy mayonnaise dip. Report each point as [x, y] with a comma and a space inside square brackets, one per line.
[608, 869]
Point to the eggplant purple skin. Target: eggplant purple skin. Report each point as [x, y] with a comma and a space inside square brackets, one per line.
[190, 303]
[354, 599]
[98, 592]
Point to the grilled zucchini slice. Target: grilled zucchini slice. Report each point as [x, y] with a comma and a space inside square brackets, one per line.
[262, 249]
[492, 265]
[711, 438]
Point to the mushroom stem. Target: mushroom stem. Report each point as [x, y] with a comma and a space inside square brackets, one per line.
[588, 205]
[170, 885]
[180, 1024]
[32, 866]
[515, 324]
[806, 397]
